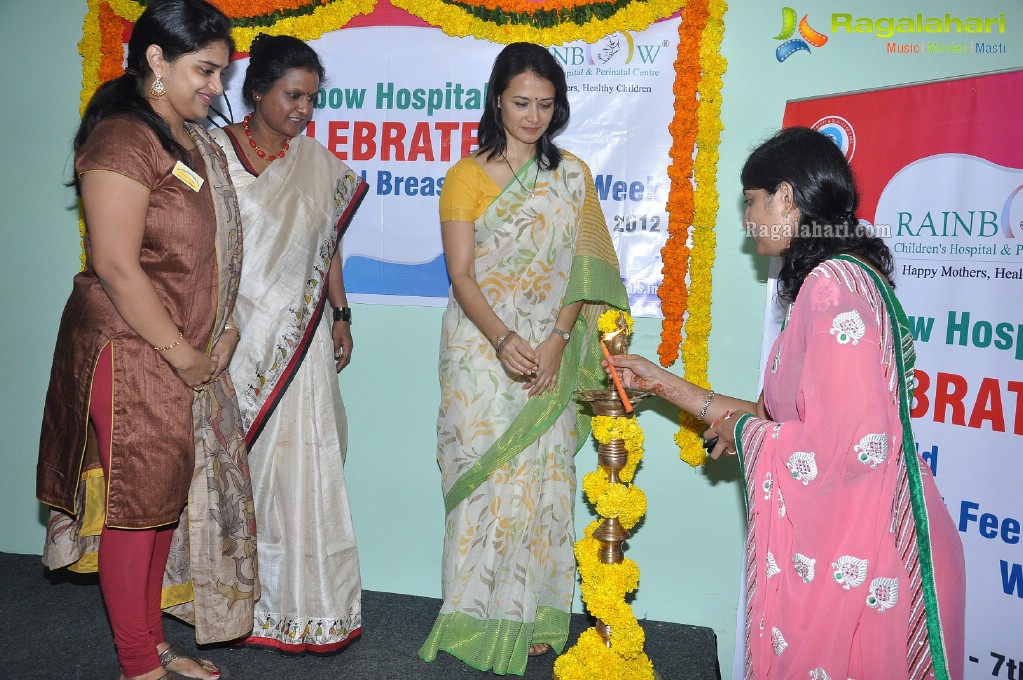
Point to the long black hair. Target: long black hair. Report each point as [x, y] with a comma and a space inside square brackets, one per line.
[178, 27]
[825, 193]
[515, 59]
[270, 57]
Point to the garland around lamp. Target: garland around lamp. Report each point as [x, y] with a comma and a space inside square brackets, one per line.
[613, 648]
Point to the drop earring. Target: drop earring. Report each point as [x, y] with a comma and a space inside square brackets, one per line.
[157, 89]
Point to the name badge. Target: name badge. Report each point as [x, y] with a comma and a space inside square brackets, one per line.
[188, 176]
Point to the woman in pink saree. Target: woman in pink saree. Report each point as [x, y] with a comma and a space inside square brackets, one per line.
[854, 566]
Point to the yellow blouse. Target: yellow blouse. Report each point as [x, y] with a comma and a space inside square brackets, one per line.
[468, 190]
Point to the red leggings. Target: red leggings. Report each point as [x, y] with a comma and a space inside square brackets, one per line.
[131, 561]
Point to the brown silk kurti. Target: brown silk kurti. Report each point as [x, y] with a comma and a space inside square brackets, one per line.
[153, 441]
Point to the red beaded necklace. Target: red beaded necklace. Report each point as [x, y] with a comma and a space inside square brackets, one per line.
[270, 157]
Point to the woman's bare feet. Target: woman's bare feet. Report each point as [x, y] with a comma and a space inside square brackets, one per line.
[539, 649]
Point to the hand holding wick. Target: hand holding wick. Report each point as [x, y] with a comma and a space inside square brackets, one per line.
[636, 372]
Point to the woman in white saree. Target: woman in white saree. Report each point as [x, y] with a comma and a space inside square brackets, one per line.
[296, 200]
[531, 267]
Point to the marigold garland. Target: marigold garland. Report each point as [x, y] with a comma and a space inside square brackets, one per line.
[111, 34]
[526, 6]
[687, 308]
[604, 586]
[546, 23]
[608, 322]
[307, 25]
[673, 291]
[695, 354]
[240, 9]
[606, 428]
[304, 19]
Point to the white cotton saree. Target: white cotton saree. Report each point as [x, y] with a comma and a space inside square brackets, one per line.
[294, 214]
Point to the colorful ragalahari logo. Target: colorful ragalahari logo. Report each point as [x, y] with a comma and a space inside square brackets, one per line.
[792, 45]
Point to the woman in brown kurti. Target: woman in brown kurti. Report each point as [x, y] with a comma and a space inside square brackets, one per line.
[139, 366]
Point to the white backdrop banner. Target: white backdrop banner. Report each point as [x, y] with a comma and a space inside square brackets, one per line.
[938, 167]
[402, 103]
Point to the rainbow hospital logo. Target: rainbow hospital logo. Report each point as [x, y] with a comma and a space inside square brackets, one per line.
[840, 131]
[808, 36]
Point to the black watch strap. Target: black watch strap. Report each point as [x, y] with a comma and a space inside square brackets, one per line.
[343, 314]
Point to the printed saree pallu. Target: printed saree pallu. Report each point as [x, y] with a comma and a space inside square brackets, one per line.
[507, 461]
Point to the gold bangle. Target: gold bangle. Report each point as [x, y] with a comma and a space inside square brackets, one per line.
[172, 345]
[232, 326]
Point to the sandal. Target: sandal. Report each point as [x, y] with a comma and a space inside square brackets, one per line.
[541, 649]
[174, 652]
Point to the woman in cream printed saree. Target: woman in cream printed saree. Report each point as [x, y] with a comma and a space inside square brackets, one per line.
[296, 200]
[531, 267]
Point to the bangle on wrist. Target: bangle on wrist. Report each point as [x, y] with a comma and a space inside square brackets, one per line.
[343, 314]
[706, 404]
[172, 345]
[232, 326]
[502, 341]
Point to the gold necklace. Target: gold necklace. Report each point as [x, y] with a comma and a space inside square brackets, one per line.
[516, 176]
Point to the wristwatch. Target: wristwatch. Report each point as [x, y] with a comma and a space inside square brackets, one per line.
[343, 314]
[565, 335]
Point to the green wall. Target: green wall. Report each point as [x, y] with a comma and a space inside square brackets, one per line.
[690, 544]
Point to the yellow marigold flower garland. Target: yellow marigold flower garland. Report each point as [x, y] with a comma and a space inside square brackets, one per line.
[526, 6]
[547, 23]
[323, 19]
[112, 32]
[606, 428]
[304, 19]
[251, 8]
[604, 586]
[694, 349]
